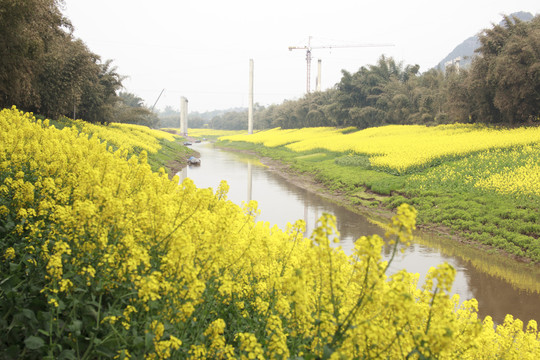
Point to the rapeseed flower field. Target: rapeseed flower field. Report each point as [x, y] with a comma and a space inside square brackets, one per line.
[514, 171]
[397, 149]
[279, 137]
[102, 258]
[127, 136]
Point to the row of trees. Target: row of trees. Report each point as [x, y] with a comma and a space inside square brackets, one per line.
[46, 70]
[230, 119]
[501, 87]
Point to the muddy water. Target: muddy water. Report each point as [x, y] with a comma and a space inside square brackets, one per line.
[479, 275]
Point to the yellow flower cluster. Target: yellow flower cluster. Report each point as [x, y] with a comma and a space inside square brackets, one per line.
[127, 136]
[200, 278]
[398, 148]
[9, 253]
[279, 137]
[507, 171]
[522, 180]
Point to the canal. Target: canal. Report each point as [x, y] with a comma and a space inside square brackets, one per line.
[281, 202]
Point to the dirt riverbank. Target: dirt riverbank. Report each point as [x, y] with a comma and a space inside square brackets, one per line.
[181, 160]
[176, 165]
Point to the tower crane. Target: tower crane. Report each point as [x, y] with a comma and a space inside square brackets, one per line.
[308, 49]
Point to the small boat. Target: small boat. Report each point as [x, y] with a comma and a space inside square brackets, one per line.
[194, 161]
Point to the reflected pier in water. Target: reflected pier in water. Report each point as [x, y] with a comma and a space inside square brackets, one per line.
[281, 202]
[249, 182]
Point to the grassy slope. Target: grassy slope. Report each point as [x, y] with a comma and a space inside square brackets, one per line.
[500, 222]
[172, 156]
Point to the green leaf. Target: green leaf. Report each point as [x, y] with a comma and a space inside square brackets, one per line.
[34, 342]
[29, 314]
[67, 354]
[76, 327]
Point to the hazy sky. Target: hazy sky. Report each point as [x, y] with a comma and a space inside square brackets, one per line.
[200, 49]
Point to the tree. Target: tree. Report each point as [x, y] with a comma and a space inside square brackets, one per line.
[68, 69]
[516, 74]
[44, 69]
[231, 120]
[27, 29]
[263, 118]
[99, 95]
[130, 99]
[317, 115]
[505, 79]
[430, 97]
[376, 95]
[130, 109]
[459, 106]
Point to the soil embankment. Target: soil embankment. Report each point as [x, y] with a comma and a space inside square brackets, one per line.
[180, 162]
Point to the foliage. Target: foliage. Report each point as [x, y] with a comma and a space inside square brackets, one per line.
[505, 80]
[69, 72]
[130, 109]
[103, 258]
[352, 159]
[170, 118]
[26, 30]
[230, 121]
[45, 69]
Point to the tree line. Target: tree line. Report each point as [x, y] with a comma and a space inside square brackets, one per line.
[46, 70]
[502, 87]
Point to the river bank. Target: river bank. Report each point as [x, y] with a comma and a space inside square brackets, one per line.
[309, 182]
[176, 160]
[485, 192]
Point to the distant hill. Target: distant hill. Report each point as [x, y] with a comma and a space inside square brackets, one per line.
[465, 50]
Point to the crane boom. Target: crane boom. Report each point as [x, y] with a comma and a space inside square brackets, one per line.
[308, 49]
[336, 46]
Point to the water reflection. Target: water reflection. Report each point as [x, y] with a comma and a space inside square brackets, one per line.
[281, 202]
[249, 183]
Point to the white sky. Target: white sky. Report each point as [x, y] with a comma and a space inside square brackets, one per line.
[200, 49]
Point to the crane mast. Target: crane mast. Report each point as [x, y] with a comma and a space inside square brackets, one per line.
[308, 49]
[308, 60]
